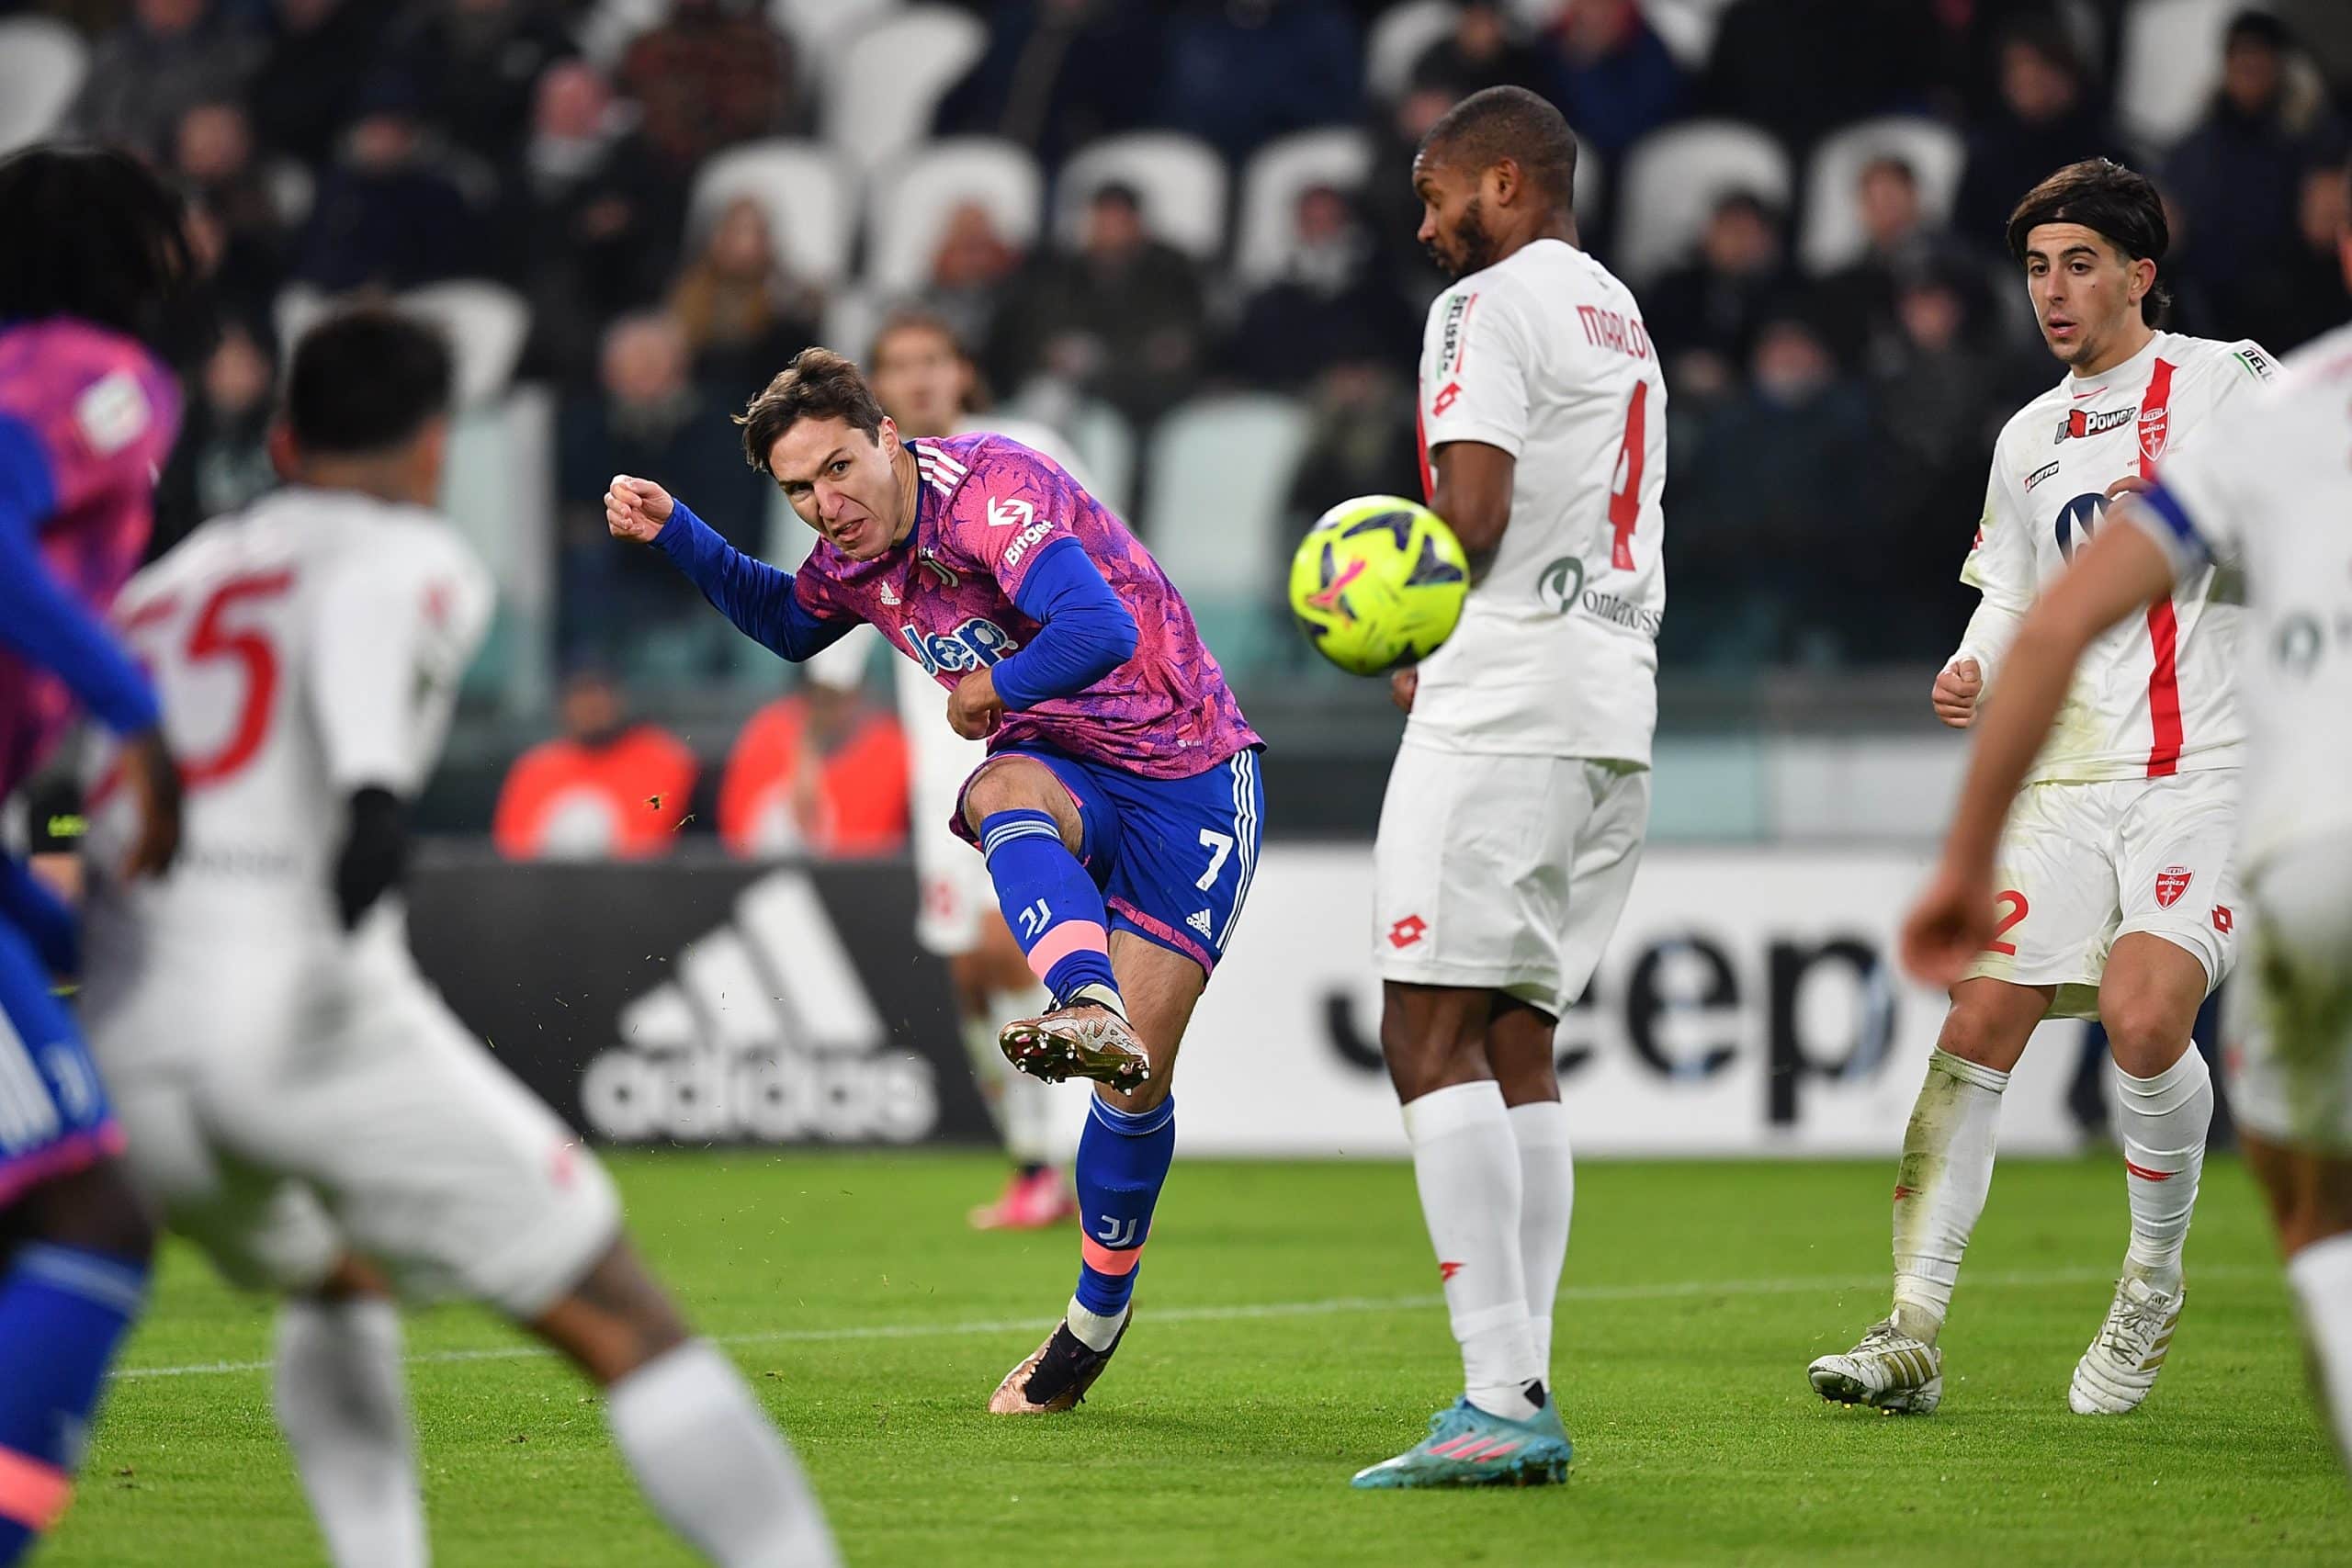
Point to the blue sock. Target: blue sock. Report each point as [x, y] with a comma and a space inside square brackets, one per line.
[63, 1313]
[1122, 1165]
[1054, 908]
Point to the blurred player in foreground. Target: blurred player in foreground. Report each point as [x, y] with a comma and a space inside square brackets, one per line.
[928, 385]
[1517, 808]
[92, 261]
[2269, 490]
[294, 1091]
[1119, 805]
[2117, 895]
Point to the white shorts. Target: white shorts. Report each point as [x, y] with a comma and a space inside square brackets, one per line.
[2289, 1035]
[277, 1127]
[1504, 872]
[2083, 865]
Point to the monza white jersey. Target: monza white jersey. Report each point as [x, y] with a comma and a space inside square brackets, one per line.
[2271, 495]
[1544, 354]
[302, 649]
[2156, 696]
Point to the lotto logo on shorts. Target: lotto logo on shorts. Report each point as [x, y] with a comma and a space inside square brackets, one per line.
[2171, 883]
[1408, 931]
[2222, 919]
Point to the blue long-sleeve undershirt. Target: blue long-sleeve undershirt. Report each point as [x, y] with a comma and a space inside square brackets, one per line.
[42, 621]
[1083, 631]
[751, 593]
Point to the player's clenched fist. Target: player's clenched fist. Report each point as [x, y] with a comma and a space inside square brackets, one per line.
[1956, 692]
[974, 710]
[1947, 928]
[636, 509]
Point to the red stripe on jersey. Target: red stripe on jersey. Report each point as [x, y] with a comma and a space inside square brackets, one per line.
[1421, 443]
[2164, 628]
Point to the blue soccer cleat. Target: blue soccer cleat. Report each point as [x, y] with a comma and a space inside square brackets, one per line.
[1469, 1446]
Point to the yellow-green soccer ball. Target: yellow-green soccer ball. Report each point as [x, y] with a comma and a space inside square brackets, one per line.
[1378, 582]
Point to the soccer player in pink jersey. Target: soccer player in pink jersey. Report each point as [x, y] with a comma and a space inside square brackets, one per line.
[1119, 807]
[92, 258]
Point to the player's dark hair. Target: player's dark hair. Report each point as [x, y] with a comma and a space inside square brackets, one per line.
[817, 384]
[365, 381]
[2115, 203]
[1510, 122]
[91, 232]
[923, 319]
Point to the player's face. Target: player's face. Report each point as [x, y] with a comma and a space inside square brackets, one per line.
[1454, 219]
[843, 483]
[2086, 293]
[922, 379]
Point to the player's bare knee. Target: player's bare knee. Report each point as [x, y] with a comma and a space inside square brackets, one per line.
[2146, 1034]
[1429, 1040]
[1018, 783]
[97, 1209]
[615, 1320]
[1981, 1035]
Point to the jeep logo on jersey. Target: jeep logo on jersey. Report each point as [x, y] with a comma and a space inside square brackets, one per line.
[969, 646]
[1023, 539]
[2079, 422]
[1452, 347]
[2171, 883]
[1561, 584]
[1010, 512]
[2078, 520]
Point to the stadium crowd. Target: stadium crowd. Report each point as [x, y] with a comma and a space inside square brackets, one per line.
[1831, 418]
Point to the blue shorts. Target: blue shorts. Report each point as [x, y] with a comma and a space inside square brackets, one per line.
[54, 1118]
[1172, 856]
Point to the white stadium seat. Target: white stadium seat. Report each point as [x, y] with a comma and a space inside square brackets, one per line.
[1674, 177]
[1832, 233]
[2172, 63]
[486, 324]
[801, 187]
[880, 97]
[1218, 487]
[1687, 28]
[41, 66]
[613, 24]
[822, 30]
[1339, 156]
[1182, 181]
[852, 316]
[910, 204]
[1402, 35]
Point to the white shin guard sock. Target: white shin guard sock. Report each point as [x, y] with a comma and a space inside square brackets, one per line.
[2162, 1121]
[1547, 1183]
[712, 1465]
[344, 1409]
[1941, 1187]
[1466, 1167]
[2321, 1275]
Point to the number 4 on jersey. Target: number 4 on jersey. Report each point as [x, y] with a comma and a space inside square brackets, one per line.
[1625, 494]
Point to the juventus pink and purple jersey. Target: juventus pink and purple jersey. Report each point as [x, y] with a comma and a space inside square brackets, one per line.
[987, 506]
[87, 418]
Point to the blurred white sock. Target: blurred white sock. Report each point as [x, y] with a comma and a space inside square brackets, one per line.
[344, 1409]
[2321, 1275]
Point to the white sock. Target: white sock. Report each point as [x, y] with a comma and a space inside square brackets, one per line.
[1467, 1169]
[2163, 1120]
[1025, 1107]
[1094, 1330]
[344, 1409]
[1940, 1188]
[2321, 1275]
[712, 1466]
[1548, 1182]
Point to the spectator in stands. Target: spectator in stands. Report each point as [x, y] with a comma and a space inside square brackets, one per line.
[1240, 73]
[821, 771]
[1613, 76]
[2047, 119]
[1387, 200]
[969, 273]
[1360, 438]
[2316, 277]
[387, 215]
[1773, 542]
[714, 74]
[479, 61]
[2239, 176]
[1484, 51]
[1326, 308]
[1703, 315]
[229, 419]
[594, 220]
[627, 609]
[1058, 73]
[165, 57]
[1121, 317]
[743, 316]
[606, 788]
[1802, 67]
[212, 155]
[322, 53]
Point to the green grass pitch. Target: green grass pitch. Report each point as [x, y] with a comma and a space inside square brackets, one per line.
[1287, 1333]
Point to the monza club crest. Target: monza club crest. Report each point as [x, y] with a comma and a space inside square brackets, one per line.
[2153, 427]
[2171, 883]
